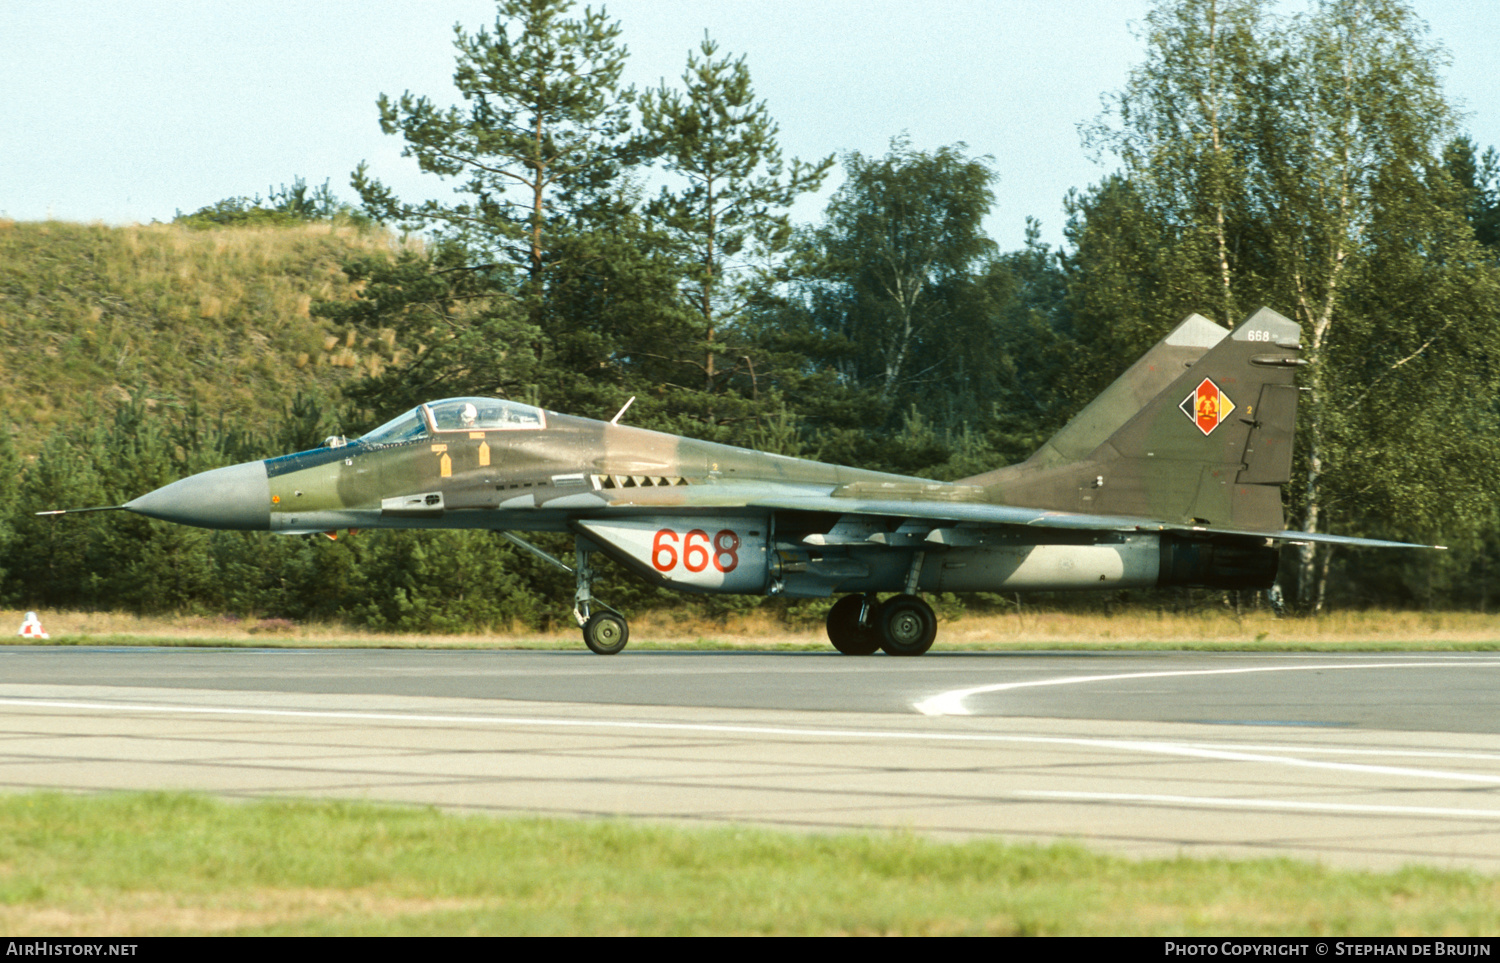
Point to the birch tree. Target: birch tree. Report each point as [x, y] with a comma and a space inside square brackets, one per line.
[1185, 131]
[1306, 150]
[901, 237]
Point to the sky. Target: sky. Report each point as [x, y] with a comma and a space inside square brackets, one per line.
[131, 112]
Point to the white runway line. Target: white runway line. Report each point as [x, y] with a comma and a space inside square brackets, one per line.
[951, 703]
[1278, 757]
[1229, 802]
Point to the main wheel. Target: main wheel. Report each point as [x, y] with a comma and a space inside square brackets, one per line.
[606, 633]
[844, 630]
[907, 625]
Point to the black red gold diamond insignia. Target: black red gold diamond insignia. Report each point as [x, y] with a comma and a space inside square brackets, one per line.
[1207, 406]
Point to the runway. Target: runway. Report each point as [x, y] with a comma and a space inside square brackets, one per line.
[1366, 760]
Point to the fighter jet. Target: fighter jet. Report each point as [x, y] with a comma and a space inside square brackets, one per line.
[1172, 477]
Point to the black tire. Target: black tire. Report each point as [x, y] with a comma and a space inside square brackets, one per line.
[844, 630]
[606, 633]
[907, 625]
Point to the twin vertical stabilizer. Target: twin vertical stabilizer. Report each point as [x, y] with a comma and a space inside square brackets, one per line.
[1211, 446]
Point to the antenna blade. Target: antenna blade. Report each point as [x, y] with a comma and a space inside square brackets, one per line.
[616, 419]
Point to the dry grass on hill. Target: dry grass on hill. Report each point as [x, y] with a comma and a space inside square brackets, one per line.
[224, 316]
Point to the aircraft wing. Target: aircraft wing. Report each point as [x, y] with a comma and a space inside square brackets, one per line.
[791, 498]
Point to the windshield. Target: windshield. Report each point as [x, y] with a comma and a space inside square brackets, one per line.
[484, 414]
[407, 427]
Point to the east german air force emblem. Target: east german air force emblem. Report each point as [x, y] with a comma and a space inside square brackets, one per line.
[1207, 406]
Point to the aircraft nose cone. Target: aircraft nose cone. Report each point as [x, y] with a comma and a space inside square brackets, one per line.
[236, 497]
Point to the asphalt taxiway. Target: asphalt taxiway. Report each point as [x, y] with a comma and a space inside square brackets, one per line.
[1351, 759]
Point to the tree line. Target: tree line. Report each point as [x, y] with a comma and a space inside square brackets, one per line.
[609, 242]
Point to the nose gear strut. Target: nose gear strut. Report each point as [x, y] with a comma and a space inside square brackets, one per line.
[606, 632]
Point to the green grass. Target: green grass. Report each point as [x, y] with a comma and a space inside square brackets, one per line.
[146, 864]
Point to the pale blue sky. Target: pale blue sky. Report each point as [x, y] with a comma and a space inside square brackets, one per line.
[124, 112]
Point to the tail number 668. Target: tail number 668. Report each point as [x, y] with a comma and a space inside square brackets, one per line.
[695, 551]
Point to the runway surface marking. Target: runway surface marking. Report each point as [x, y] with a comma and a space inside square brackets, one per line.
[1366, 798]
[1268, 756]
[1236, 802]
[951, 703]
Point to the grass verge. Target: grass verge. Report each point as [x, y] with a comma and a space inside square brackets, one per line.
[154, 864]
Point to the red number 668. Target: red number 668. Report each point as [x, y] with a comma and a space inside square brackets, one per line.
[697, 552]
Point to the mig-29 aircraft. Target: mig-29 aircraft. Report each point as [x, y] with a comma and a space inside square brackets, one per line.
[1172, 476]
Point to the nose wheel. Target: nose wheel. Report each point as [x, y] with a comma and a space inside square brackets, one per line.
[606, 633]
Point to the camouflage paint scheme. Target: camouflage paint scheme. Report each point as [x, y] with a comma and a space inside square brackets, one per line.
[1171, 477]
[537, 476]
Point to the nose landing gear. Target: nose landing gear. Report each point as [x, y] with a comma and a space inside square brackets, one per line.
[606, 632]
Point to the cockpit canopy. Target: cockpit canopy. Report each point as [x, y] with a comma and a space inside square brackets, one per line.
[457, 414]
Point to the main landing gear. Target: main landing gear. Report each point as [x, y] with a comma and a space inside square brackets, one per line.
[901, 625]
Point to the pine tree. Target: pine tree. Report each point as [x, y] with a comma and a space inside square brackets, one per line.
[543, 282]
[540, 138]
[722, 141]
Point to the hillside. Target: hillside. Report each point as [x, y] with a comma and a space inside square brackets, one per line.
[96, 314]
